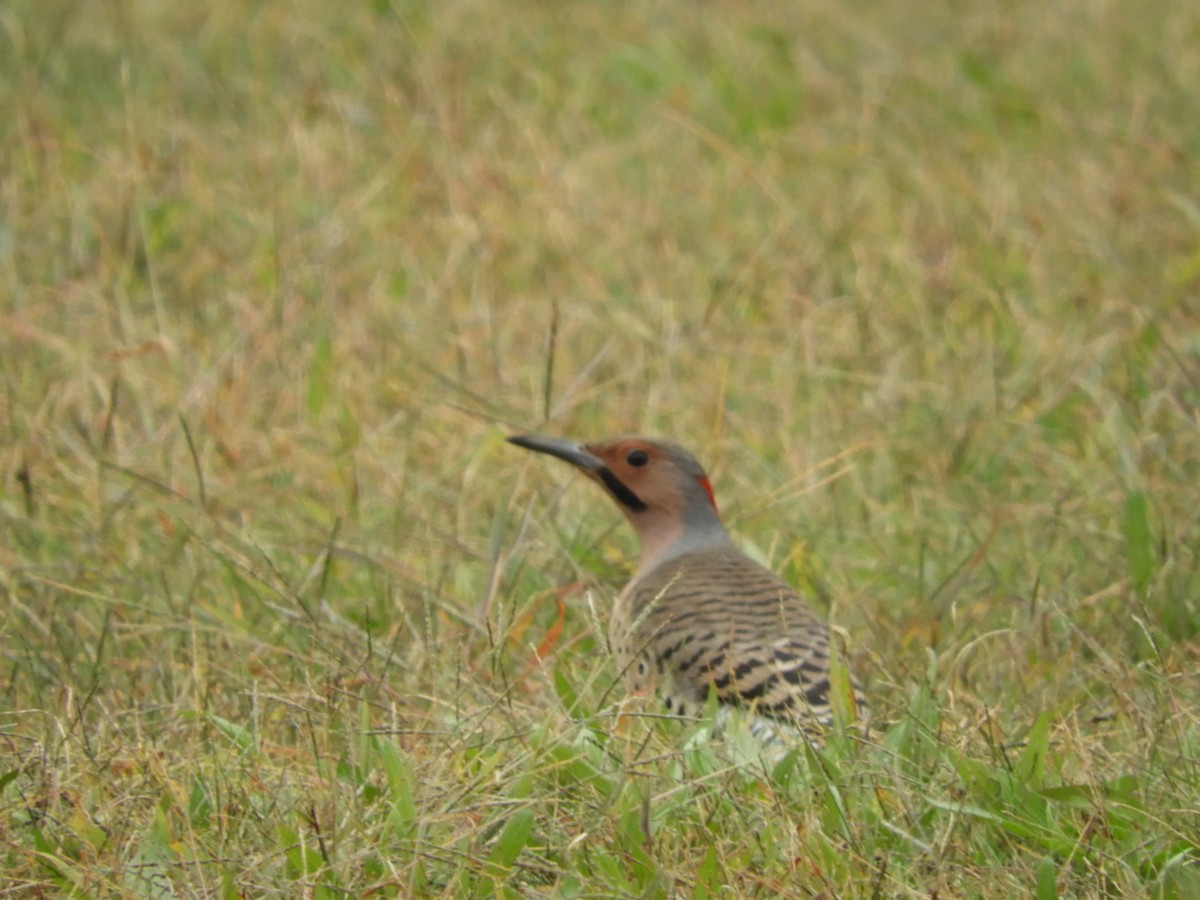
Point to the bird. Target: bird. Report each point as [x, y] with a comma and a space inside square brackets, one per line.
[699, 615]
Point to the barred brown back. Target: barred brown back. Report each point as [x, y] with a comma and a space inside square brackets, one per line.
[719, 619]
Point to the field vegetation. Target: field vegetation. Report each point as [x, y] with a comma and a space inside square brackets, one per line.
[281, 614]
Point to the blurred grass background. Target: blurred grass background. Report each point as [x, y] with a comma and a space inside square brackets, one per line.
[919, 282]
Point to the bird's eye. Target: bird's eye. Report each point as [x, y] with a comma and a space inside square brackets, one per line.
[637, 457]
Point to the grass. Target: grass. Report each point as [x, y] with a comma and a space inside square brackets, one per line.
[284, 616]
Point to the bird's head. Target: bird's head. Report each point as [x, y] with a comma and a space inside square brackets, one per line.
[659, 486]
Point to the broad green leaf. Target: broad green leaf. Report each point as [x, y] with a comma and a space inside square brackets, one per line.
[512, 839]
[1139, 544]
[400, 780]
[239, 734]
[1031, 765]
[1046, 874]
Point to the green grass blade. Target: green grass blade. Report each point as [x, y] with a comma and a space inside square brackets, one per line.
[1139, 542]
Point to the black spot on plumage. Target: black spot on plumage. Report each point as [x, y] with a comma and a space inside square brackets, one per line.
[687, 664]
[818, 694]
[755, 692]
[670, 651]
[741, 671]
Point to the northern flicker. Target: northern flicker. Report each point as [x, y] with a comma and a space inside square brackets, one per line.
[699, 614]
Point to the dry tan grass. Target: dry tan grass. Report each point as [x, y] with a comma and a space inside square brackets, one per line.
[284, 616]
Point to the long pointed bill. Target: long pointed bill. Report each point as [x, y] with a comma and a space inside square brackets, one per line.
[584, 460]
[570, 451]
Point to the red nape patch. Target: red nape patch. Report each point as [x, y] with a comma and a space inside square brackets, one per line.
[704, 483]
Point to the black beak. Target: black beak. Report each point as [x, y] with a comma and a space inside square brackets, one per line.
[569, 451]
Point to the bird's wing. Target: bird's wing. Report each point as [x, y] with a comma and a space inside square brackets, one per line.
[725, 621]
